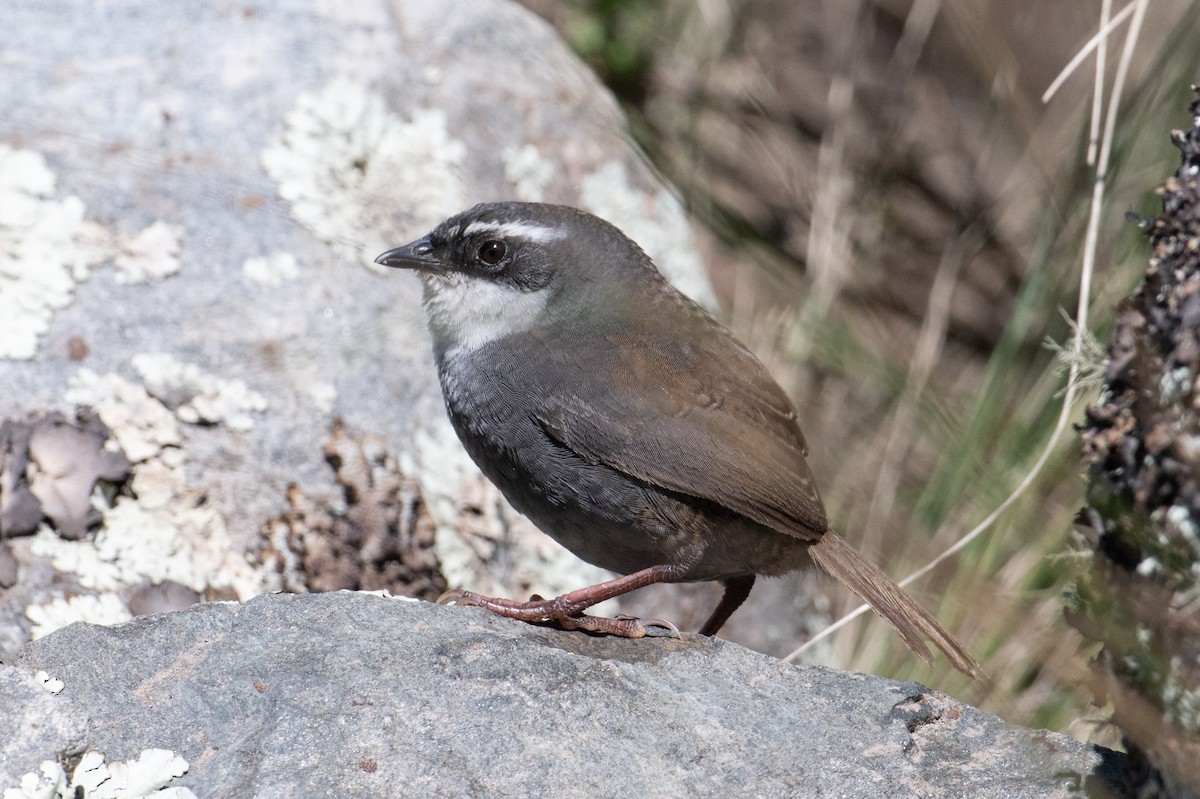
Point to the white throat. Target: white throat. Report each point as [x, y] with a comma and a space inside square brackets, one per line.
[465, 313]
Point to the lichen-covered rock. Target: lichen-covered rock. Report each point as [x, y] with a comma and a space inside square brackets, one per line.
[1139, 594]
[49, 467]
[191, 197]
[376, 535]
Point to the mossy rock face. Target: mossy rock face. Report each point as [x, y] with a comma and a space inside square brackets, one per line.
[1140, 595]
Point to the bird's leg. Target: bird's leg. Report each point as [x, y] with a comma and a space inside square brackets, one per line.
[566, 611]
[736, 591]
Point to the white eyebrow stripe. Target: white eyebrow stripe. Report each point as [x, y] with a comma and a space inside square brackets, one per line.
[517, 230]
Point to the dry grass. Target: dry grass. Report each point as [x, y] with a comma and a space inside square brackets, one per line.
[1006, 590]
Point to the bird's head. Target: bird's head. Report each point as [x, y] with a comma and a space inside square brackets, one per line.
[500, 269]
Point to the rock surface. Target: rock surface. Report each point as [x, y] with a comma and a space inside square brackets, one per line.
[191, 195]
[357, 695]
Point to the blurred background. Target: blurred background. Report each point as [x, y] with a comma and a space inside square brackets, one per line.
[894, 221]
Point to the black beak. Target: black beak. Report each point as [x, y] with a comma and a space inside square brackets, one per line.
[417, 255]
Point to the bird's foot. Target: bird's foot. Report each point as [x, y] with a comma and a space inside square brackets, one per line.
[565, 612]
[622, 626]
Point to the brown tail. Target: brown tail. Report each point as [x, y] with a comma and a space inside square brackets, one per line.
[835, 555]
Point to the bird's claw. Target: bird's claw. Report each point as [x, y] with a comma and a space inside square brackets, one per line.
[622, 627]
[668, 627]
[452, 597]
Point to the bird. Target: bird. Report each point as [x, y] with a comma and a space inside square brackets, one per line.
[625, 422]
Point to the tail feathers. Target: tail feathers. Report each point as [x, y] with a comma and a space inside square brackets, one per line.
[835, 555]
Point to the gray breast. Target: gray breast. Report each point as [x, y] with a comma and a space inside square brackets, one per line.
[597, 513]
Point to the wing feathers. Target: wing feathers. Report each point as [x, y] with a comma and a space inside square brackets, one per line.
[705, 420]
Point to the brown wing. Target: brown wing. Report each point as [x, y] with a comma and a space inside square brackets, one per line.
[692, 412]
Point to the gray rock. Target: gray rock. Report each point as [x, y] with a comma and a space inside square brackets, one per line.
[357, 695]
[35, 724]
[193, 194]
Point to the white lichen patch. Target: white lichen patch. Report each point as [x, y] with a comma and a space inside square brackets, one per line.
[272, 270]
[1149, 566]
[51, 684]
[528, 172]
[1180, 699]
[322, 393]
[168, 530]
[144, 778]
[182, 539]
[158, 481]
[1175, 385]
[196, 395]
[141, 424]
[151, 254]
[360, 177]
[45, 248]
[104, 608]
[657, 223]
[1180, 518]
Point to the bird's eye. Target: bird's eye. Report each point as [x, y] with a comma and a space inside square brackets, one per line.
[492, 252]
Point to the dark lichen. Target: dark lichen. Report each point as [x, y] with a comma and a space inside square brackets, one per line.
[1140, 595]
